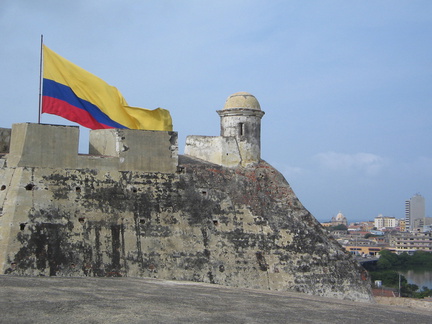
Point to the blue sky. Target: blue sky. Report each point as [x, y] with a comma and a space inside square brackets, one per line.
[346, 85]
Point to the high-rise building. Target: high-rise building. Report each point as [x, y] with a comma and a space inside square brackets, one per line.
[414, 209]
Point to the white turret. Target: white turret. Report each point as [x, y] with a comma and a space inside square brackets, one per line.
[241, 119]
[239, 142]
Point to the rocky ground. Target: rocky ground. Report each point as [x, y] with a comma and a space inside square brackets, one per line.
[134, 300]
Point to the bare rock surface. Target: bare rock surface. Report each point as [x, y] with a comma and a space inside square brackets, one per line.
[139, 300]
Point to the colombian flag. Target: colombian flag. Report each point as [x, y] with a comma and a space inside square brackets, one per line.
[79, 96]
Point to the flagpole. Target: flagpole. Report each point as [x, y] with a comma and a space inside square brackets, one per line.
[40, 81]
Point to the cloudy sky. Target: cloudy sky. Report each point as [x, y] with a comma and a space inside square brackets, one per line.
[346, 85]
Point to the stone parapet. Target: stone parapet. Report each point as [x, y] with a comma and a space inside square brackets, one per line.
[215, 149]
[5, 134]
[137, 150]
[56, 146]
[40, 145]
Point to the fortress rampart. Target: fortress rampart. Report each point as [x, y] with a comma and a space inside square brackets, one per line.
[56, 146]
[134, 207]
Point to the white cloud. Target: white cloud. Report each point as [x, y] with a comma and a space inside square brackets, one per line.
[289, 171]
[365, 163]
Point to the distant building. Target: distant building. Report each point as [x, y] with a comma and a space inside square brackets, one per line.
[427, 228]
[361, 226]
[402, 225]
[383, 240]
[339, 219]
[420, 224]
[337, 234]
[384, 222]
[414, 209]
[361, 247]
[411, 242]
[369, 225]
[370, 249]
[355, 228]
[326, 224]
[375, 232]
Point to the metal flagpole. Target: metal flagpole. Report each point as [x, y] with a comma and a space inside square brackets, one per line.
[40, 81]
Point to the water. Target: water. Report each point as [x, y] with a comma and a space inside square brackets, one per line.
[418, 277]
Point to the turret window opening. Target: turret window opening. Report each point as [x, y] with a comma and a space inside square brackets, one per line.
[241, 129]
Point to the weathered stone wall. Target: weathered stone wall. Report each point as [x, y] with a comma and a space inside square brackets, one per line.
[41, 145]
[5, 134]
[56, 146]
[239, 227]
[215, 149]
[245, 126]
[137, 150]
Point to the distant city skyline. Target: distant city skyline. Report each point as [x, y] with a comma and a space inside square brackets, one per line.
[414, 209]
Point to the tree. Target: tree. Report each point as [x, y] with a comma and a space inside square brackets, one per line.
[404, 258]
[389, 278]
[420, 258]
[384, 263]
[424, 292]
[340, 227]
[408, 290]
[387, 260]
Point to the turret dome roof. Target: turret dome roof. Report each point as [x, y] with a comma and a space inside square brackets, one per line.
[242, 100]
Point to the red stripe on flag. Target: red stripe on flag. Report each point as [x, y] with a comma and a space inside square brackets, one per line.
[62, 108]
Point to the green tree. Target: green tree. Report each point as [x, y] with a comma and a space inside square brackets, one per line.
[424, 292]
[384, 264]
[420, 259]
[408, 290]
[340, 227]
[389, 278]
[404, 259]
[387, 260]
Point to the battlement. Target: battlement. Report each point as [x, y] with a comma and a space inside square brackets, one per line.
[5, 134]
[56, 146]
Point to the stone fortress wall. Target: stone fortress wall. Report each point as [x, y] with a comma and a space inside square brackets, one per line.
[134, 207]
